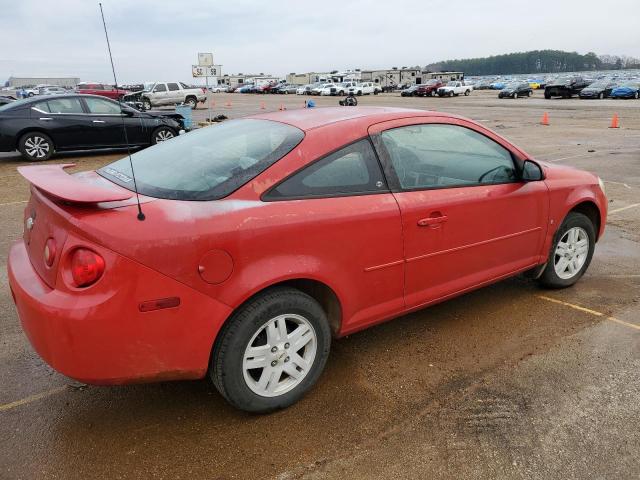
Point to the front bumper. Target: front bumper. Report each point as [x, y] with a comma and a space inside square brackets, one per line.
[99, 335]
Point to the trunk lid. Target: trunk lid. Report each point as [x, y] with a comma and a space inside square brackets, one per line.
[56, 197]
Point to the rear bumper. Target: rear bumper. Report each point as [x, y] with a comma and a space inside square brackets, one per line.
[98, 335]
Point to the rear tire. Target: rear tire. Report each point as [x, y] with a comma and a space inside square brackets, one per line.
[259, 364]
[192, 102]
[466, 93]
[571, 252]
[36, 147]
[146, 104]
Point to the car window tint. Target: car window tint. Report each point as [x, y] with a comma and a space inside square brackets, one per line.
[160, 88]
[213, 161]
[100, 106]
[351, 170]
[173, 87]
[44, 106]
[65, 105]
[436, 156]
[184, 85]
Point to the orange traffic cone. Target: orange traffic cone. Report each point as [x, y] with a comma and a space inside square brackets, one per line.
[614, 121]
[282, 107]
[213, 103]
[228, 104]
[545, 119]
[262, 107]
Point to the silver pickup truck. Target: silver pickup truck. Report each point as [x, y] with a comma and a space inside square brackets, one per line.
[169, 93]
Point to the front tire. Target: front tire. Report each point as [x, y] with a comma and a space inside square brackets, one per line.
[162, 134]
[192, 102]
[272, 351]
[571, 252]
[36, 147]
[146, 104]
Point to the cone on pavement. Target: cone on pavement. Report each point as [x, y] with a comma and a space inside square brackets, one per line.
[282, 107]
[545, 119]
[262, 107]
[228, 104]
[614, 121]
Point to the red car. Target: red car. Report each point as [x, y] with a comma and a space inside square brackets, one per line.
[101, 89]
[428, 89]
[274, 233]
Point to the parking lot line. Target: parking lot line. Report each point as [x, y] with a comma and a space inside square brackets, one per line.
[588, 310]
[32, 398]
[13, 203]
[633, 205]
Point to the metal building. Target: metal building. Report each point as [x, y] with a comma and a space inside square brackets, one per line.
[69, 82]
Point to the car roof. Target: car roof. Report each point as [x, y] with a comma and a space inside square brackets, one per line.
[310, 118]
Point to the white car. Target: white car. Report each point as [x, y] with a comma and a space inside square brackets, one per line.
[332, 89]
[455, 88]
[365, 88]
[219, 89]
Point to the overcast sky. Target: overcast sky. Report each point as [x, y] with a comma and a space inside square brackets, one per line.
[159, 40]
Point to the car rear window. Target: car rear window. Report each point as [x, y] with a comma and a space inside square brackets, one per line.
[208, 163]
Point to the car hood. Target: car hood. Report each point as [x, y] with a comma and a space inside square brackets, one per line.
[624, 90]
[553, 171]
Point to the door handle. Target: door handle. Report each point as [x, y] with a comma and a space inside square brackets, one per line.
[97, 121]
[430, 221]
[44, 119]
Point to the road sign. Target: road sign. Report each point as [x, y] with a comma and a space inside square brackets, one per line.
[212, 71]
[205, 59]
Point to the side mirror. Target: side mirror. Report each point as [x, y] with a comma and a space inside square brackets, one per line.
[531, 171]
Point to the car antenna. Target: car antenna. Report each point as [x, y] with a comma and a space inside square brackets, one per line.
[141, 216]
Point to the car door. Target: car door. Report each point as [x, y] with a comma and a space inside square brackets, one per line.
[159, 94]
[174, 94]
[64, 120]
[107, 122]
[467, 218]
[352, 226]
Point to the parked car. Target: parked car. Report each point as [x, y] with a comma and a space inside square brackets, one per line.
[565, 87]
[246, 88]
[515, 90]
[454, 88]
[365, 88]
[40, 126]
[599, 89]
[4, 99]
[101, 89]
[272, 234]
[409, 91]
[30, 92]
[482, 85]
[285, 89]
[428, 89]
[171, 93]
[221, 88]
[626, 90]
[331, 89]
[52, 91]
[305, 89]
[498, 85]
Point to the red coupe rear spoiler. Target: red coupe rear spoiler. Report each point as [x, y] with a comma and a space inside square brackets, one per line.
[53, 180]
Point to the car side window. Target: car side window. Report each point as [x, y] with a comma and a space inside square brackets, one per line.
[173, 87]
[440, 156]
[100, 106]
[352, 170]
[160, 88]
[65, 105]
[42, 106]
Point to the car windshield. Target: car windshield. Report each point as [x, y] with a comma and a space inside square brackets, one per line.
[208, 163]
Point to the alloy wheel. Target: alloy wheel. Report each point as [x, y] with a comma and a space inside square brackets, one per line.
[280, 355]
[164, 135]
[571, 253]
[37, 147]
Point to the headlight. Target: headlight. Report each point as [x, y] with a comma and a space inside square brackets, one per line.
[601, 183]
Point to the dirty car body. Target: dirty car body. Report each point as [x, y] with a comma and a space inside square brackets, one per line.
[354, 208]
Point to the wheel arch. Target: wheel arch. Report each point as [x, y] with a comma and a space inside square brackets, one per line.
[589, 209]
[32, 129]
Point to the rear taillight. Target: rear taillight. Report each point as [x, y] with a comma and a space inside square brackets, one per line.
[49, 252]
[86, 267]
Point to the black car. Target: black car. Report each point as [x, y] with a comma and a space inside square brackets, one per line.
[515, 90]
[409, 92]
[565, 87]
[600, 89]
[38, 127]
[4, 99]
